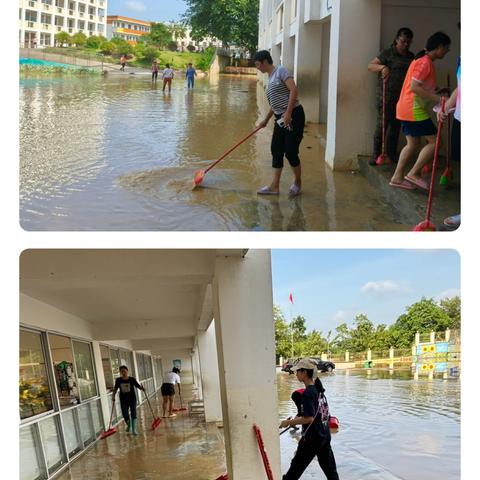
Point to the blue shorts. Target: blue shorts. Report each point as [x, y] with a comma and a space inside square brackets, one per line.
[422, 128]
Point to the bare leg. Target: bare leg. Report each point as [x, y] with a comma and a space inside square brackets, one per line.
[297, 172]
[170, 404]
[425, 155]
[164, 406]
[275, 183]
[407, 153]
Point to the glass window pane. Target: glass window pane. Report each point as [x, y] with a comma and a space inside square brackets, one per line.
[85, 424]
[51, 443]
[71, 437]
[107, 367]
[85, 372]
[35, 396]
[30, 455]
[65, 376]
[115, 363]
[96, 416]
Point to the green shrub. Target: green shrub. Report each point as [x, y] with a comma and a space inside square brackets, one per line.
[62, 38]
[107, 48]
[150, 54]
[172, 46]
[79, 39]
[95, 41]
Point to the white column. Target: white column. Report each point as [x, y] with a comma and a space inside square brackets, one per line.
[210, 382]
[198, 372]
[354, 41]
[308, 61]
[102, 389]
[245, 335]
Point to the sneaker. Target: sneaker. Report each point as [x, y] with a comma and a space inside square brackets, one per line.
[294, 190]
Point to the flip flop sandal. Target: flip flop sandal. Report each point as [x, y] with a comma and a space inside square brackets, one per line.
[420, 183]
[266, 191]
[405, 185]
[294, 190]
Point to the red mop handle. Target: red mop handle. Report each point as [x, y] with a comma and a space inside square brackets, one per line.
[263, 453]
[233, 148]
[383, 114]
[435, 162]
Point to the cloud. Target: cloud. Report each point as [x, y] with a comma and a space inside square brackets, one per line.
[385, 288]
[344, 315]
[135, 5]
[450, 293]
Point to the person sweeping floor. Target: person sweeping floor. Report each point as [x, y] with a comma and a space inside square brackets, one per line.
[168, 391]
[128, 399]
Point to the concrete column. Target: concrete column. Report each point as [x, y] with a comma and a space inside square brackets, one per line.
[391, 352]
[369, 355]
[324, 357]
[347, 356]
[417, 338]
[308, 62]
[198, 371]
[351, 87]
[102, 389]
[432, 337]
[207, 348]
[447, 335]
[414, 350]
[244, 328]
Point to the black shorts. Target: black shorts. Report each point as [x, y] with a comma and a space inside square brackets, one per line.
[167, 389]
[422, 128]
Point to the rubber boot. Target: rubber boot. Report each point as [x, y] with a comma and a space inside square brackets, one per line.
[134, 426]
[128, 426]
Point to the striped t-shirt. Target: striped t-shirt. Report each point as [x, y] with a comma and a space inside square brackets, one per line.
[278, 93]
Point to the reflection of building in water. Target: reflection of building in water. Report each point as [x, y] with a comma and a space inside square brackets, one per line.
[41, 20]
[328, 44]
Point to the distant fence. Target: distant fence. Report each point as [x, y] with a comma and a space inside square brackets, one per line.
[42, 54]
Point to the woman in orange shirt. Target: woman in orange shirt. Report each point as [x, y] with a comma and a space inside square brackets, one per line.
[413, 111]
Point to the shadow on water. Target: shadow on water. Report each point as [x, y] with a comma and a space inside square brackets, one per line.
[392, 426]
[112, 154]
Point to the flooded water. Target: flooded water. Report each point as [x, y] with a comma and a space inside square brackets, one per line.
[115, 153]
[392, 427]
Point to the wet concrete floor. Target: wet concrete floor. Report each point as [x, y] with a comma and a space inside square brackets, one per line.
[181, 448]
[115, 153]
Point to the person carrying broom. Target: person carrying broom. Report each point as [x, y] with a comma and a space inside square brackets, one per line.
[128, 399]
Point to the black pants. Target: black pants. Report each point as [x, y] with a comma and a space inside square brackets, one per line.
[455, 139]
[392, 132]
[287, 142]
[304, 455]
[154, 76]
[129, 405]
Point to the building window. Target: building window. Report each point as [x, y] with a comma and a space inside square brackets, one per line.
[35, 396]
[31, 464]
[65, 375]
[85, 370]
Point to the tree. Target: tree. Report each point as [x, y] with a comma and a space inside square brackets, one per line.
[423, 316]
[452, 307]
[107, 48]
[314, 344]
[159, 35]
[150, 53]
[282, 334]
[363, 335]
[172, 46]
[232, 21]
[62, 38]
[177, 30]
[95, 41]
[79, 39]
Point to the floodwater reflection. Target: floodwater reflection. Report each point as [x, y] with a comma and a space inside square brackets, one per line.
[119, 154]
[392, 426]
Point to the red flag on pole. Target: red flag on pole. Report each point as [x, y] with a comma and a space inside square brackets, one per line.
[291, 297]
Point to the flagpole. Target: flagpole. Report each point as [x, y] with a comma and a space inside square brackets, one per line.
[291, 324]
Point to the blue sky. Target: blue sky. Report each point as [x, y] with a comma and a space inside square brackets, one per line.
[149, 10]
[332, 286]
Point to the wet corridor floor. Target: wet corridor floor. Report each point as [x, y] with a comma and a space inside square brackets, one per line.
[118, 154]
[181, 448]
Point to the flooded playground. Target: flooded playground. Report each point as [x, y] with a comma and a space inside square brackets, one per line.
[392, 427]
[115, 153]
